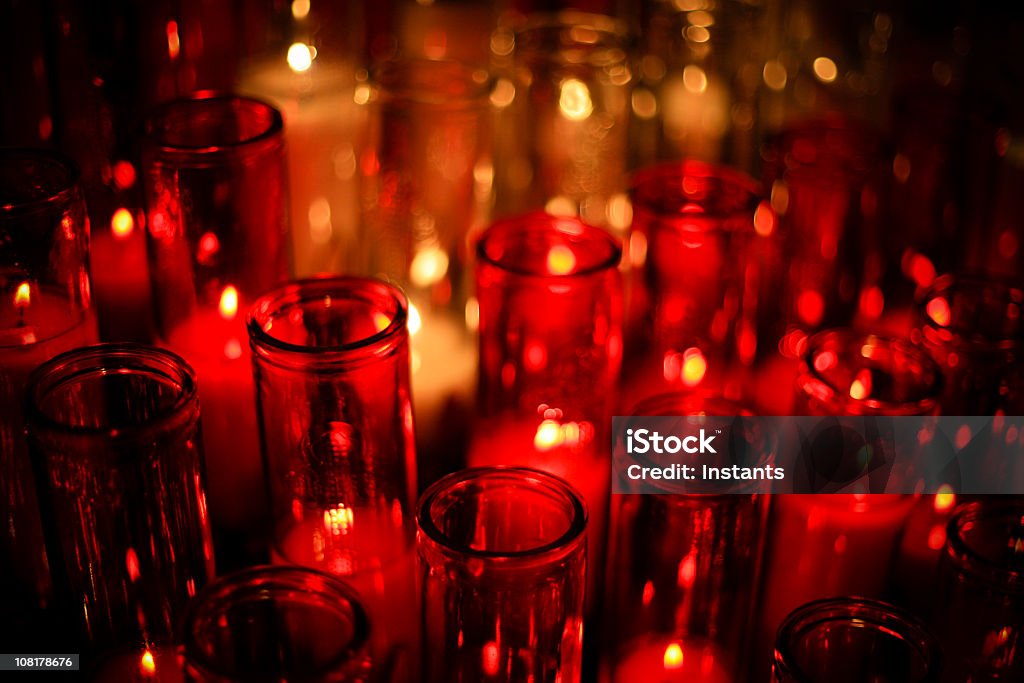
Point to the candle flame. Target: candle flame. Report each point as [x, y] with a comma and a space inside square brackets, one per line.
[695, 365]
[673, 658]
[229, 303]
[561, 260]
[945, 499]
[549, 435]
[122, 224]
[147, 664]
[574, 100]
[300, 57]
[132, 564]
[22, 295]
[861, 386]
[938, 310]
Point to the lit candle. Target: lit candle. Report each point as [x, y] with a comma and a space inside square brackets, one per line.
[120, 278]
[667, 660]
[917, 568]
[323, 124]
[151, 665]
[372, 555]
[215, 342]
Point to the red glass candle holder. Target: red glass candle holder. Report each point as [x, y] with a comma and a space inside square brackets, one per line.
[973, 327]
[277, 623]
[550, 350]
[331, 359]
[683, 571]
[562, 116]
[698, 247]
[44, 310]
[826, 180]
[846, 372]
[503, 564]
[980, 616]
[850, 640]
[427, 178]
[114, 433]
[217, 227]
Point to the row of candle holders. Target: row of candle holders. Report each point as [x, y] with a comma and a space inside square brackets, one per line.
[316, 378]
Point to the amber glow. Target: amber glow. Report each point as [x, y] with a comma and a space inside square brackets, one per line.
[300, 57]
[938, 310]
[121, 223]
[147, 664]
[429, 266]
[861, 387]
[414, 322]
[825, 69]
[673, 659]
[22, 296]
[561, 260]
[338, 521]
[945, 499]
[228, 306]
[695, 366]
[574, 100]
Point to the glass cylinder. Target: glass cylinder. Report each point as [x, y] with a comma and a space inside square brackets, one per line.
[699, 78]
[562, 116]
[550, 350]
[277, 623]
[972, 326]
[306, 65]
[826, 179]
[846, 372]
[114, 432]
[217, 218]
[331, 359]
[503, 564]
[45, 309]
[980, 618]
[850, 640]
[427, 178]
[699, 243]
[683, 571]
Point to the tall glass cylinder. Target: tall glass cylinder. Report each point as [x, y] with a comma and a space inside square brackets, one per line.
[973, 327]
[114, 432]
[503, 564]
[699, 244]
[563, 102]
[427, 177]
[698, 82]
[331, 359]
[826, 179]
[683, 572]
[217, 220]
[550, 350]
[277, 623]
[850, 640]
[45, 309]
[980, 617]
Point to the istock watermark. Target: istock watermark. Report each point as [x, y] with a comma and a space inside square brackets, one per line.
[744, 454]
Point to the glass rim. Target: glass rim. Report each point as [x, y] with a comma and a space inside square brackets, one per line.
[881, 616]
[947, 283]
[846, 336]
[604, 24]
[730, 177]
[265, 345]
[273, 130]
[478, 79]
[65, 188]
[260, 580]
[555, 486]
[538, 220]
[137, 357]
[969, 560]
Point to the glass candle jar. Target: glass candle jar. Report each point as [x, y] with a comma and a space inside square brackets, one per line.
[850, 640]
[427, 179]
[826, 181]
[562, 116]
[45, 309]
[277, 623]
[216, 216]
[980, 616]
[973, 327]
[503, 564]
[331, 359]
[683, 571]
[114, 433]
[550, 350]
[699, 243]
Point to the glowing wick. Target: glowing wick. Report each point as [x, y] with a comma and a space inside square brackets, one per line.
[229, 303]
[673, 657]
